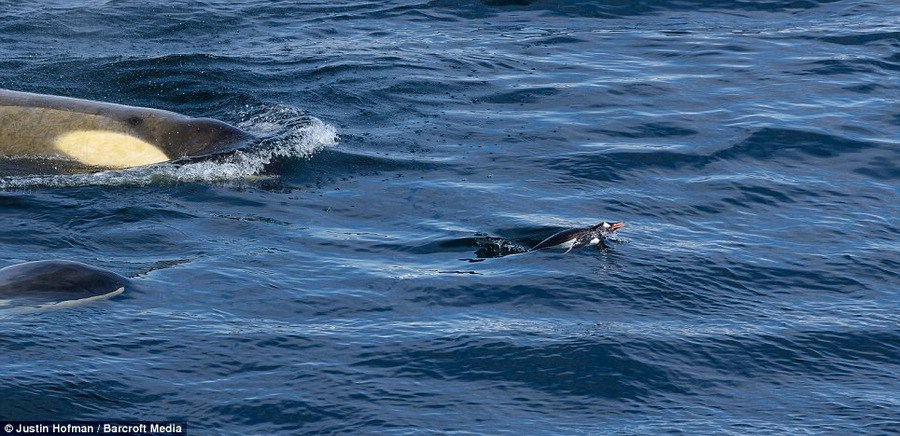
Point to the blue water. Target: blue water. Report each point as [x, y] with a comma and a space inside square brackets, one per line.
[347, 275]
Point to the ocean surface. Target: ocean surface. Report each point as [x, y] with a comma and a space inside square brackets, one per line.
[362, 268]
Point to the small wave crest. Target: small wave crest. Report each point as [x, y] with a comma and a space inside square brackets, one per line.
[283, 132]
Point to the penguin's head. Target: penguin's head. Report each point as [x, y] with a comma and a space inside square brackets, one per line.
[606, 229]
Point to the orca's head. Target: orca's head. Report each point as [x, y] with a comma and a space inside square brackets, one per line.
[204, 136]
[180, 136]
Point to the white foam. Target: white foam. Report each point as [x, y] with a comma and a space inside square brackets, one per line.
[284, 132]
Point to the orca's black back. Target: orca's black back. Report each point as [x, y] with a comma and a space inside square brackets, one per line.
[58, 277]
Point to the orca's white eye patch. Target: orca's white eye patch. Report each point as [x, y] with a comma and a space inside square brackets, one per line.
[108, 149]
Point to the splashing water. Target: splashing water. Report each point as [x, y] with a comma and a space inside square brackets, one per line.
[492, 246]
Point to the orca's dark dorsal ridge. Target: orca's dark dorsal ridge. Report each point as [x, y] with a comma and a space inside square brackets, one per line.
[58, 282]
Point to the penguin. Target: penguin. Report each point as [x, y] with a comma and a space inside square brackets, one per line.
[580, 237]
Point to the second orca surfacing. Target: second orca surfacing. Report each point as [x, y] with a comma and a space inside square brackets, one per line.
[57, 283]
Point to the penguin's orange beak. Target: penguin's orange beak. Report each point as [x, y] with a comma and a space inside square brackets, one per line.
[617, 226]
